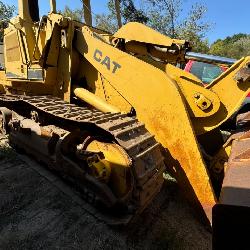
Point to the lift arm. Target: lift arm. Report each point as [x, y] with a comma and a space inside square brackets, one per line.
[166, 103]
[159, 104]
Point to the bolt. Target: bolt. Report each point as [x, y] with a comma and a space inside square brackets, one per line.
[204, 104]
[196, 96]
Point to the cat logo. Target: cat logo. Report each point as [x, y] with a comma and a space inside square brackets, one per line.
[106, 61]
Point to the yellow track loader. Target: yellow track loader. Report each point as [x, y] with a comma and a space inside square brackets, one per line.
[112, 112]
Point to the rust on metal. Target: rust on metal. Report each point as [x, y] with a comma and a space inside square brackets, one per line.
[236, 184]
[231, 216]
[243, 74]
[44, 141]
[243, 120]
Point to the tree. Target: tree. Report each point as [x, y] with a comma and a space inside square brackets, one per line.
[76, 14]
[6, 12]
[166, 17]
[129, 13]
[106, 22]
[167, 11]
[235, 46]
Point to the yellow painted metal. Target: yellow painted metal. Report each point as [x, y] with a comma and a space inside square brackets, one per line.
[165, 55]
[23, 10]
[116, 164]
[22, 88]
[159, 104]
[98, 85]
[101, 170]
[134, 31]
[225, 93]
[172, 103]
[27, 26]
[20, 40]
[111, 96]
[231, 94]
[218, 164]
[14, 54]
[200, 101]
[62, 85]
[94, 100]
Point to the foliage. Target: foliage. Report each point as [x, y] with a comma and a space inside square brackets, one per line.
[235, 46]
[164, 16]
[131, 14]
[76, 14]
[106, 22]
[6, 12]
[168, 11]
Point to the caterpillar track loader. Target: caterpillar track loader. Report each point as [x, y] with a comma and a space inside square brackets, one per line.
[112, 113]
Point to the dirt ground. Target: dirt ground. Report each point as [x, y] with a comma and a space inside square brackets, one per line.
[35, 214]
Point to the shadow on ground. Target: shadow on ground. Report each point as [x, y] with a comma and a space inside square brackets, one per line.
[36, 215]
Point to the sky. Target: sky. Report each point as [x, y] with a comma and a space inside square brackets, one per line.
[228, 16]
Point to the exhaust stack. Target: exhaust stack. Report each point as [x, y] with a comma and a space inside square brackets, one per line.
[53, 6]
[87, 12]
[28, 10]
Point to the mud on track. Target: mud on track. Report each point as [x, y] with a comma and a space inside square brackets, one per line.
[36, 214]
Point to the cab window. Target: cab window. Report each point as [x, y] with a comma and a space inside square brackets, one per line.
[205, 71]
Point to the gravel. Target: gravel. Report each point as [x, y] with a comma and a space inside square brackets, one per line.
[35, 214]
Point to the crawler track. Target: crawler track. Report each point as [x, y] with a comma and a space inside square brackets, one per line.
[131, 135]
[36, 214]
